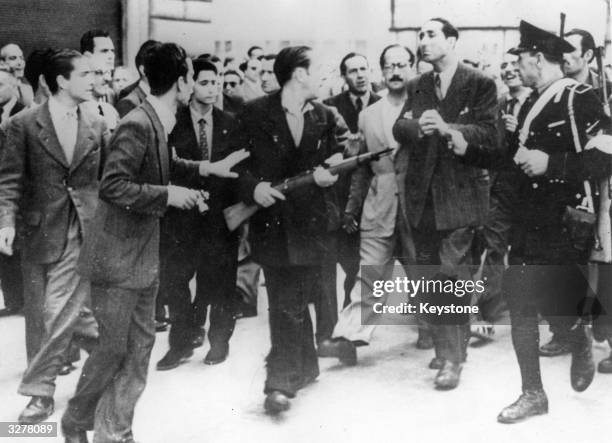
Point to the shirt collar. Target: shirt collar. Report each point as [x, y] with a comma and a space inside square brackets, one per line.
[59, 109]
[447, 75]
[146, 88]
[196, 116]
[166, 116]
[365, 98]
[289, 105]
[521, 97]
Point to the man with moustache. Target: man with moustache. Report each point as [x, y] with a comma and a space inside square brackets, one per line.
[49, 173]
[374, 187]
[355, 71]
[557, 148]
[446, 189]
[200, 244]
[289, 134]
[121, 255]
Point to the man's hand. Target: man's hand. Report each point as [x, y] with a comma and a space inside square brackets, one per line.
[457, 142]
[182, 198]
[323, 177]
[349, 223]
[510, 122]
[222, 168]
[431, 121]
[533, 162]
[7, 237]
[265, 195]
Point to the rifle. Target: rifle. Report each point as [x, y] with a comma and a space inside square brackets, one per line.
[236, 214]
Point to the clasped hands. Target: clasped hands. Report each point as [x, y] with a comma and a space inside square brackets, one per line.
[431, 122]
[265, 195]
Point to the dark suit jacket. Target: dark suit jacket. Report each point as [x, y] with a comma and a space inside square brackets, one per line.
[459, 190]
[37, 181]
[123, 249]
[292, 232]
[232, 105]
[180, 225]
[130, 101]
[342, 102]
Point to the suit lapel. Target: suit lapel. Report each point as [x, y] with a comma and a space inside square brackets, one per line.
[220, 134]
[85, 140]
[452, 104]
[48, 136]
[162, 145]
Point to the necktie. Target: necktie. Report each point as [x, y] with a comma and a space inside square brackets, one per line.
[203, 142]
[358, 104]
[68, 141]
[511, 108]
[100, 111]
[438, 86]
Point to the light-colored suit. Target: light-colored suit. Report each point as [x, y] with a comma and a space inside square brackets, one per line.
[381, 242]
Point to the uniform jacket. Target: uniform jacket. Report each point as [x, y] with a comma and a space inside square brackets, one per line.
[292, 232]
[543, 199]
[459, 190]
[181, 225]
[130, 101]
[123, 248]
[37, 182]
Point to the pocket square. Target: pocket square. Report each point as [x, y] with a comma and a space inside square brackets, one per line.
[465, 111]
[408, 115]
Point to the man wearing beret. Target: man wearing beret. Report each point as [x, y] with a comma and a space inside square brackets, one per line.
[558, 149]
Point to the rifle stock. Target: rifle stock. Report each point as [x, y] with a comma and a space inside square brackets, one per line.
[238, 213]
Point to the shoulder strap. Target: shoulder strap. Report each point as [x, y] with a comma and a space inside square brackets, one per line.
[587, 202]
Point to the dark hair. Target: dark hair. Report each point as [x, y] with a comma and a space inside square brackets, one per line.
[164, 65]
[59, 63]
[202, 64]
[233, 72]
[227, 61]
[346, 58]
[586, 40]
[87, 39]
[383, 54]
[447, 28]
[209, 57]
[35, 64]
[269, 57]
[243, 66]
[288, 60]
[142, 51]
[252, 48]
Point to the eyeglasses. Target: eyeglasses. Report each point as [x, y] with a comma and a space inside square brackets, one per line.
[392, 66]
[230, 84]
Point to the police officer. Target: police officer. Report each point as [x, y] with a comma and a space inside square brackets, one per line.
[560, 117]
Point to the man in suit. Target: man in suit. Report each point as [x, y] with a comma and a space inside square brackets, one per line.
[49, 174]
[11, 56]
[446, 193]
[558, 151]
[374, 188]
[289, 134]
[140, 89]
[355, 71]
[200, 244]
[97, 43]
[121, 255]
[269, 84]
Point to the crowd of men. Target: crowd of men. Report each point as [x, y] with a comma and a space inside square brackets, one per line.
[113, 198]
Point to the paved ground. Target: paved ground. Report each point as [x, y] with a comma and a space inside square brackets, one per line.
[388, 397]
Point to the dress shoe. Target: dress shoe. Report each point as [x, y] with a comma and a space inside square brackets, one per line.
[173, 358]
[582, 369]
[198, 338]
[38, 410]
[340, 348]
[217, 354]
[448, 377]
[425, 341]
[66, 369]
[436, 363]
[276, 402]
[530, 403]
[160, 326]
[72, 435]
[605, 366]
[556, 346]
